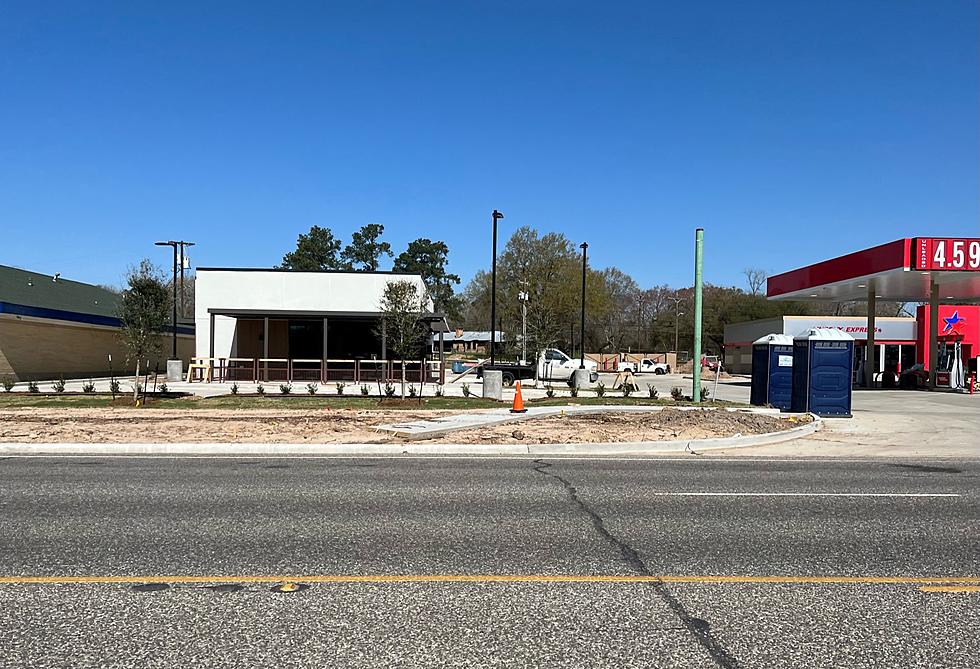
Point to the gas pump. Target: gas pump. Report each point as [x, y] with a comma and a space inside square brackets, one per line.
[950, 371]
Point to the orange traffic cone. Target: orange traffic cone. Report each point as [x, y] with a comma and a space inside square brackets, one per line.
[518, 400]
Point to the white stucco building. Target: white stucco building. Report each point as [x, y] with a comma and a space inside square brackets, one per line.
[268, 314]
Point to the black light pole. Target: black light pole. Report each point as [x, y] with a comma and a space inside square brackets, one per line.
[585, 250]
[174, 245]
[496, 215]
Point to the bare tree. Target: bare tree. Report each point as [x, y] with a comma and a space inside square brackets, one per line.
[755, 278]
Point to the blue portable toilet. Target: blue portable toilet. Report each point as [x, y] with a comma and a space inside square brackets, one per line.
[772, 371]
[822, 367]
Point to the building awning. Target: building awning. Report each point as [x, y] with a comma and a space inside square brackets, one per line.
[902, 270]
[436, 322]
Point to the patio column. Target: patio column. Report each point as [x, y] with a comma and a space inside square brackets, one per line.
[870, 350]
[932, 355]
[211, 335]
[265, 348]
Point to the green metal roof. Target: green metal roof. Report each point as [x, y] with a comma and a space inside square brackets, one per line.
[33, 289]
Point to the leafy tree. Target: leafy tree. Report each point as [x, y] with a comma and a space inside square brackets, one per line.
[314, 251]
[144, 309]
[401, 309]
[365, 251]
[428, 258]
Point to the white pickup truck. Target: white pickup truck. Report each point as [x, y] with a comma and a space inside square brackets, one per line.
[553, 365]
[645, 365]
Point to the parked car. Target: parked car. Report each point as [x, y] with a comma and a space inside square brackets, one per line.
[710, 361]
[645, 365]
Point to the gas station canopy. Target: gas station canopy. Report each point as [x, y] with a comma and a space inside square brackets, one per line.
[904, 270]
[935, 270]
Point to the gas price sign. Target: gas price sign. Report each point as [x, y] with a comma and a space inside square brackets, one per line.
[939, 253]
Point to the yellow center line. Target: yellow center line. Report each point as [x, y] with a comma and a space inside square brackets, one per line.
[950, 588]
[973, 581]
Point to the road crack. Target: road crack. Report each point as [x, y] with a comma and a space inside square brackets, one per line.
[698, 628]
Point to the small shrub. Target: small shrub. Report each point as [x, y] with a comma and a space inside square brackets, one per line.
[705, 393]
[389, 390]
[574, 391]
[234, 389]
[88, 387]
[550, 392]
[677, 393]
[365, 390]
[412, 392]
[466, 390]
[438, 391]
[600, 389]
[340, 388]
[260, 389]
[285, 388]
[163, 387]
[59, 385]
[627, 389]
[652, 390]
[114, 387]
[32, 387]
[311, 388]
[8, 383]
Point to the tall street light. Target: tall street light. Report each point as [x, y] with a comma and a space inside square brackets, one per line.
[522, 296]
[183, 265]
[174, 245]
[585, 250]
[496, 215]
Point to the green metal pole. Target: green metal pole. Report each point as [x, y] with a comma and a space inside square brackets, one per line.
[698, 260]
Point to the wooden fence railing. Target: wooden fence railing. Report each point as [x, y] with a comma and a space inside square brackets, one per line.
[262, 370]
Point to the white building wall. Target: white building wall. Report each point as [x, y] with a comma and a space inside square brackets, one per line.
[349, 293]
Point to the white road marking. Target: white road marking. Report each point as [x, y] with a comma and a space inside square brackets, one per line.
[804, 494]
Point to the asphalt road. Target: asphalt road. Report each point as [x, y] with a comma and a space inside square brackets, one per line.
[467, 562]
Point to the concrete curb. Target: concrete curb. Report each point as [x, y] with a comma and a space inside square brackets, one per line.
[395, 449]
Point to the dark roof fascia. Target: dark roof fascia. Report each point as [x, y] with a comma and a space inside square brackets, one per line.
[76, 317]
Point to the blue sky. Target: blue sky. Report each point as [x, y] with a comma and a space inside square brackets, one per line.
[791, 131]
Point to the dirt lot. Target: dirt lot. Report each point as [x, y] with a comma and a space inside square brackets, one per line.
[200, 425]
[609, 427]
[112, 425]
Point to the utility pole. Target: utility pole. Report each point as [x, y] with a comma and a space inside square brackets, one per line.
[677, 318]
[639, 319]
[174, 245]
[698, 260]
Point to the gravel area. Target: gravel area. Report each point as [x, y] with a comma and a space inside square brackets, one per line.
[323, 426]
[332, 426]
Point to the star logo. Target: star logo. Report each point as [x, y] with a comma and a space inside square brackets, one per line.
[952, 322]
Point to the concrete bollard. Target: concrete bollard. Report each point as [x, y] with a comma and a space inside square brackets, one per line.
[493, 382]
[580, 378]
[175, 371]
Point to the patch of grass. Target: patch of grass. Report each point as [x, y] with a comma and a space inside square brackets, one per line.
[625, 401]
